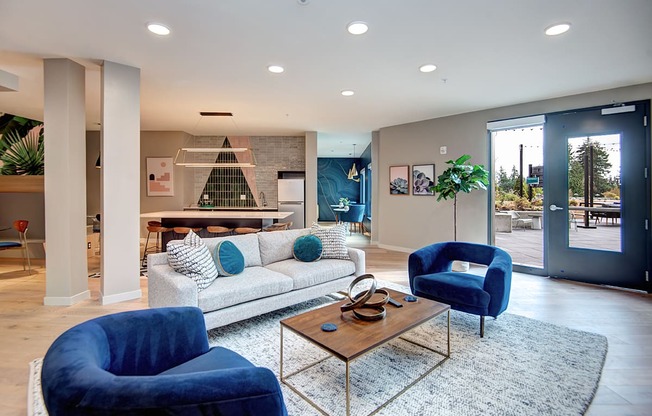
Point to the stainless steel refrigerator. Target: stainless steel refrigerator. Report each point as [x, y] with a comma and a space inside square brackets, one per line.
[291, 199]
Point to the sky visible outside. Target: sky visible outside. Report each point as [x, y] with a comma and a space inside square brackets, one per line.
[507, 143]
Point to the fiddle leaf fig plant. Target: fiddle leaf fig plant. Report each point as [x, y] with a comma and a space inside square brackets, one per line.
[460, 177]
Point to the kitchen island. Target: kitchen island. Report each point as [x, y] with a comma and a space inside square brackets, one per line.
[204, 218]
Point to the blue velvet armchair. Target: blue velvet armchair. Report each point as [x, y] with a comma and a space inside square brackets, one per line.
[429, 271]
[152, 362]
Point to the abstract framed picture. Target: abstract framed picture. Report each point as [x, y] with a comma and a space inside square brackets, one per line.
[399, 180]
[423, 177]
[160, 176]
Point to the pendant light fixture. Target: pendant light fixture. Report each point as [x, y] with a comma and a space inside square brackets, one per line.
[353, 172]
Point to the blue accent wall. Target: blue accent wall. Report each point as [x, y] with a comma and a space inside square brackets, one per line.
[333, 184]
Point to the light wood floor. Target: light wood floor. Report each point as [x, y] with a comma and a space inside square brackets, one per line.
[625, 317]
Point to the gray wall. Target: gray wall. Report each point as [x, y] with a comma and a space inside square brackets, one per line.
[92, 173]
[406, 223]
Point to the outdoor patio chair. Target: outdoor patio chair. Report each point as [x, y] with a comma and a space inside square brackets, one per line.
[520, 222]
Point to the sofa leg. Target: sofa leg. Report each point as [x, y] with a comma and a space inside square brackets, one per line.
[482, 327]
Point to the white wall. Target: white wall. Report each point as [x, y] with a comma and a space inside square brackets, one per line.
[409, 222]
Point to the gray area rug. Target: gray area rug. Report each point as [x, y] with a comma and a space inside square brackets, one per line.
[521, 367]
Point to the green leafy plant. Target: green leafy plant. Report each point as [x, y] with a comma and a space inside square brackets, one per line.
[460, 177]
[10, 122]
[22, 155]
[344, 201]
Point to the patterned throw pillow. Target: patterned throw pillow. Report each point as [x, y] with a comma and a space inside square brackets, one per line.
[307, 248]
[228, 259]
[333, 240]
[193, 259]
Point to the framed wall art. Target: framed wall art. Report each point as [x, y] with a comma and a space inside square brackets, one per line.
[423, 177]
[399, 180]
[160, 176]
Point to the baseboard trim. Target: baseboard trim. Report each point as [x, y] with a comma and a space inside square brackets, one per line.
[396, 248]
[120, 297]
[66, 300]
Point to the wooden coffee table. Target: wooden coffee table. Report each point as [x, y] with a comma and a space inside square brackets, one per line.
[355, 338]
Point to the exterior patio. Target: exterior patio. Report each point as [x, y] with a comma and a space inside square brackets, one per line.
[525, 245]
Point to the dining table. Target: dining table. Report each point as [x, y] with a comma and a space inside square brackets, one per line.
[337, 209]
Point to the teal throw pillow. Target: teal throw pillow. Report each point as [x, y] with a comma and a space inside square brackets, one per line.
[307, 248]
[228, 259]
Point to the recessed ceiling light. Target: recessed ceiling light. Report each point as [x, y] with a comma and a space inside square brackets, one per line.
[276, 69]
[427, 68]
[347, 93]
[158, 29]
[557, 29]
[357, 28]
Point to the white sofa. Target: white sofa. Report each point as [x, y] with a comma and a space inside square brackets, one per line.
[272, 279]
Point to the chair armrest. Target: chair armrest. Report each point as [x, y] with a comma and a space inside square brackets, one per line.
[167, 287]
[498, 282]
[229, 391]
[358, 257]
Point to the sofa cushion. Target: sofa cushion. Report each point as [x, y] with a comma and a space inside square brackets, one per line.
[307, 248]
[246, 243]
[253, 283]
[277, 245]
[192, 258]
[333, 239]
[228, 259]
[310, 274]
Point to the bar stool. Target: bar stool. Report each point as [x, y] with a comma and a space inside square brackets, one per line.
[279, 226]
[152, 227]
[217, 230]
[246, 230]
[180, 232]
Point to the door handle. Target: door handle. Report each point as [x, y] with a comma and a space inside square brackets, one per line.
[554, 207]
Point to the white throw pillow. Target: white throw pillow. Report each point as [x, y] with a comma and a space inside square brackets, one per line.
[193, 259]
[333, 240]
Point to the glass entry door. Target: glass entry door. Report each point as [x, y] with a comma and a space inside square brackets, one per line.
[598, 195]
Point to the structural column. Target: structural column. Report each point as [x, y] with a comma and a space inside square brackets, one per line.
[120, 183]
[64, 119]
[375, 191]
[311, 178]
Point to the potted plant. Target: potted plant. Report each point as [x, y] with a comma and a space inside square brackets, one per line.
[460, 177]
[344, 202]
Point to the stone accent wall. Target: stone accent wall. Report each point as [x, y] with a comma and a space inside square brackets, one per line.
[274, 154]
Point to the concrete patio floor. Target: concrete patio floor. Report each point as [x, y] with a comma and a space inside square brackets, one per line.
[525, 245]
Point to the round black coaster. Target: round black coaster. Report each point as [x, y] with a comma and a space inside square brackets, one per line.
[328, 327]
[410, 298]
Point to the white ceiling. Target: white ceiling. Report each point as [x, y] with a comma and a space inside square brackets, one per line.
[488, 53]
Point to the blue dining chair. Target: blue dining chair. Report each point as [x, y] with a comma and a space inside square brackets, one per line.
[354, 216]
[21, 226]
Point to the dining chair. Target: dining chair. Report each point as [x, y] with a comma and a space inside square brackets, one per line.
[354, 217]
[21, 227]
